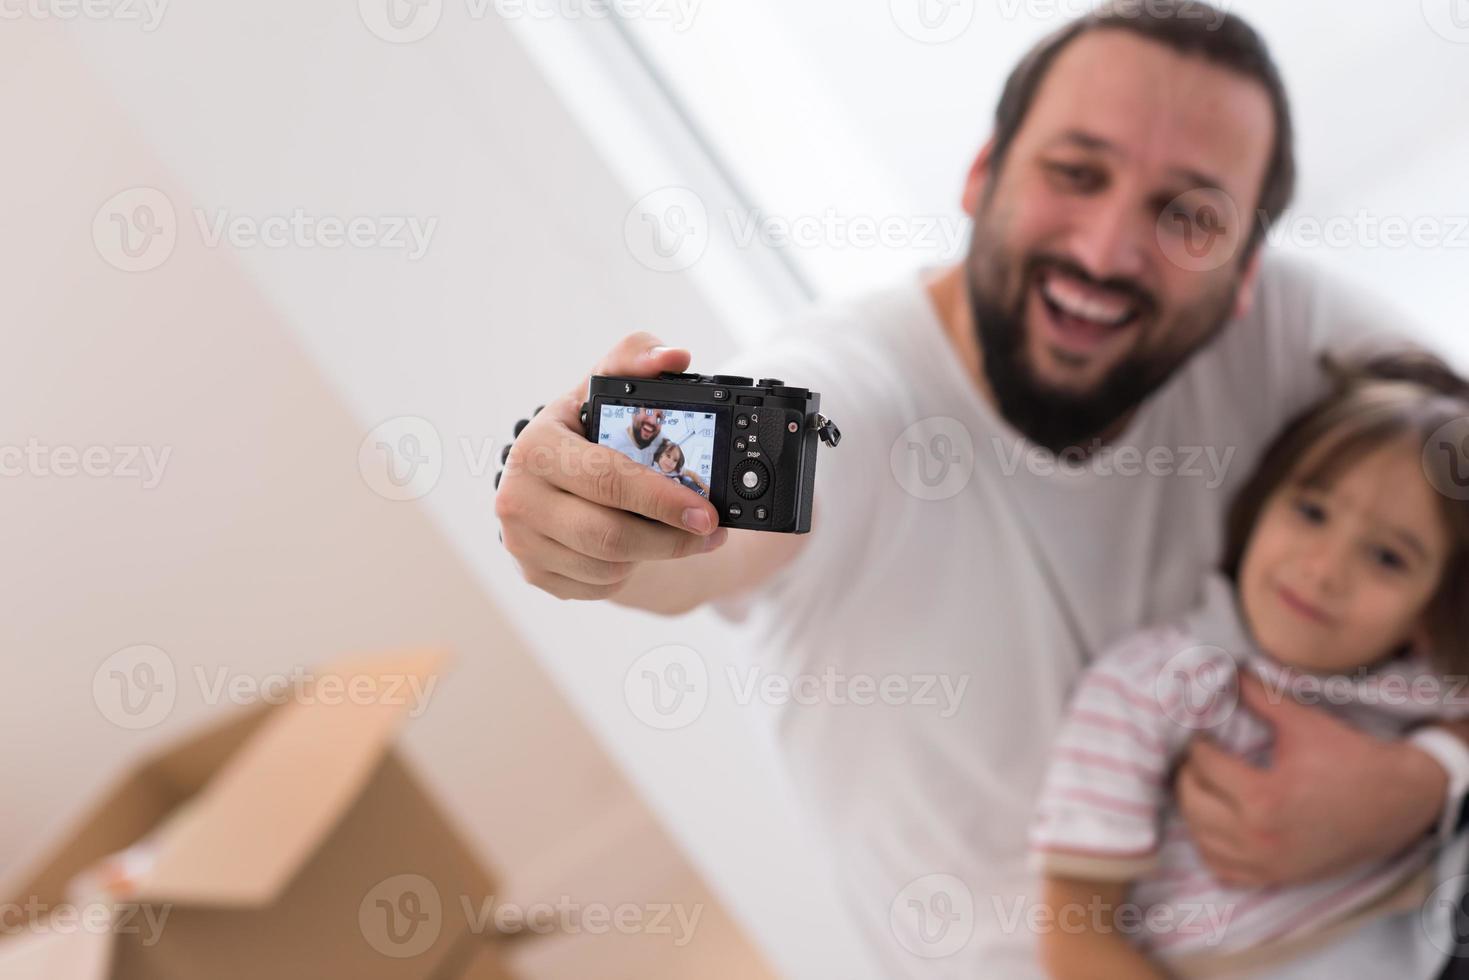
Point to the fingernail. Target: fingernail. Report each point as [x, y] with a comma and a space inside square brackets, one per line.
[653, 352]
[716, 539]
[696, 519]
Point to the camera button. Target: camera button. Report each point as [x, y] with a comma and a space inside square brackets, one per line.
[719, 394]
[735, 510]
[739, 445]
[750, 479]
[761, 513]
[742, 422]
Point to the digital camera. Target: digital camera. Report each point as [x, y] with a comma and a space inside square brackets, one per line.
[749, 447]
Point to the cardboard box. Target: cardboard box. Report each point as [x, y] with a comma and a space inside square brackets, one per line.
[288, 843]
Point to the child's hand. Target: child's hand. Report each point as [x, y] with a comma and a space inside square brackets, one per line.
[1333, 797]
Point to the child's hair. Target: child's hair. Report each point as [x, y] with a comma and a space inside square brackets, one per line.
[1375, 402]
[666, 445]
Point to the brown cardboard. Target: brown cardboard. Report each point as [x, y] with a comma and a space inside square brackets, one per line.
[307, 850]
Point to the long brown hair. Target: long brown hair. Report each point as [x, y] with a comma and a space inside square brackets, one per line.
[1375, 402]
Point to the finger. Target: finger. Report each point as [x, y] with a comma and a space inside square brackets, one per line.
[1222, 774]
[615, 535]
[564, 588]
[1282, 714]
[638, 355]
[1206, 811]
[606, 477]
[550, 555]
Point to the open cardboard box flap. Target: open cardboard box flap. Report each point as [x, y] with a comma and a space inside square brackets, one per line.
[294, 814]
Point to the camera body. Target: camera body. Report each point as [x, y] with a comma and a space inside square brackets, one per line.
[749, 447]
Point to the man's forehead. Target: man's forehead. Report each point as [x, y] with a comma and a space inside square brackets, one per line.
[1163, 111]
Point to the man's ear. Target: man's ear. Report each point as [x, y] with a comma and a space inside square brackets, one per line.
[1244, 297]
[979, 177]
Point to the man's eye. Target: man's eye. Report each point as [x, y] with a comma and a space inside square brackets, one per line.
[1079, 177]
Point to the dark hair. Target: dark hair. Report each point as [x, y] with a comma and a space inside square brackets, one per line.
[1374, 403]
[1188, 27]
[667, 444]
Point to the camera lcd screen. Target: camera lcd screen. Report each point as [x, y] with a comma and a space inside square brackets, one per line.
[677, 443]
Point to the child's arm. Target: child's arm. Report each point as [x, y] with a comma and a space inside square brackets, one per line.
[1083, 942]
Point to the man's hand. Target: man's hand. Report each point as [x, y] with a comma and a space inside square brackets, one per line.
[573, 513]
[1332, 797]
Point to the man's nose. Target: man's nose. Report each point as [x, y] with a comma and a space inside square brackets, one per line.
[1110, 240]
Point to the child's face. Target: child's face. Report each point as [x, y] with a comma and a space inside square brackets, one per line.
[668, 462]
[1336, 578]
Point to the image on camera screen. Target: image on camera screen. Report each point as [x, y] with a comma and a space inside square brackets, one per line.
[678, 444]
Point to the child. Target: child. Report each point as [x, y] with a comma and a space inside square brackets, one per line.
[1345, 584]
[668, 460]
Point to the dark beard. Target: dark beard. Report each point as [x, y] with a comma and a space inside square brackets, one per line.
[643, 443]
[1060, 420]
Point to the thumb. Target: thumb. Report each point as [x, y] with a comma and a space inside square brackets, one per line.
[638, 355]
[642, 355]
[1274, 706]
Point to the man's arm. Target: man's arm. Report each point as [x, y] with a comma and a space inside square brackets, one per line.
[1075, 949]
[1333, 797]
[747, 559]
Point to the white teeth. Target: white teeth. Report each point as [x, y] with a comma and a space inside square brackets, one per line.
[1107, 312]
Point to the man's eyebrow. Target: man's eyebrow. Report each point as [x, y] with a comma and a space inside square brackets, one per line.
[1197, 179]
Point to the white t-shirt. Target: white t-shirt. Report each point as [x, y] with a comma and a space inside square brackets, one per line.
[957, 580]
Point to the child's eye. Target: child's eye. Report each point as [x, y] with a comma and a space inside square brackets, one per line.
[1311, 511]
[1389, 559]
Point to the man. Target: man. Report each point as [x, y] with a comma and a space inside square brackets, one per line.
[639, 439]
[1040, 446]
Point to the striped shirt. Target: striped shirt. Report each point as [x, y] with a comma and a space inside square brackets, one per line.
[1107, 812]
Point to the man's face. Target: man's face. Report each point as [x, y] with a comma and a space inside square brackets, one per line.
[1335, 577]
[646, 424]
[1095, 268]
